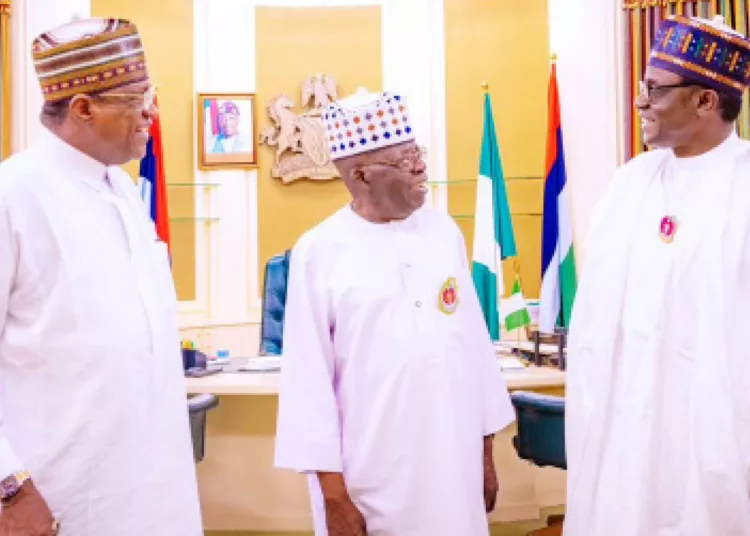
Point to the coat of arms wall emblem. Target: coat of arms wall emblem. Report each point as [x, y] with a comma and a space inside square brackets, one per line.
[300, 139]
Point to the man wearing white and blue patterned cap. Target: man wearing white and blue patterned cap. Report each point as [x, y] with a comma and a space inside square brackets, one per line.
[390, 389]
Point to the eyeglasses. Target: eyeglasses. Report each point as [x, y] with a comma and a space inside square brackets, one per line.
[149, 97]
[408, 161]
[649, 92]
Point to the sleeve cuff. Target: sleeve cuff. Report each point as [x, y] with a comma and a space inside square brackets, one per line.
[9, 462]
[310, 459]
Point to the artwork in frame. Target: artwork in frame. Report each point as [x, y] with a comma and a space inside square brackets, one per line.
[227, 131]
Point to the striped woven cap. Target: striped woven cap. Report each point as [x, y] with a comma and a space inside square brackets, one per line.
[709, 52]
[88, 56]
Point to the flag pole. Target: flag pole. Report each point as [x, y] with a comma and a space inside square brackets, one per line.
[486, 89]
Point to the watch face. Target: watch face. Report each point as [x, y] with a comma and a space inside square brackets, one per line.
[9, 487]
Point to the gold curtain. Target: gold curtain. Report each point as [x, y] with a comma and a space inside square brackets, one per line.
[5, 80]
[641, 21]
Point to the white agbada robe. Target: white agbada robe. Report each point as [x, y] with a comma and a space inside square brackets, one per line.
[91, 387]
[658, 382]
[378, 383]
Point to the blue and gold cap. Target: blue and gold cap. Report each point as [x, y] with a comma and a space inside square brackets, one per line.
[708, 52]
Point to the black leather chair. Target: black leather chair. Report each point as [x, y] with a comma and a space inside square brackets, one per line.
[198, 406]
[274, 303]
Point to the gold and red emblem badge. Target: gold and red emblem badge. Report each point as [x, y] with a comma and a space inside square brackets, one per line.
[448, 299]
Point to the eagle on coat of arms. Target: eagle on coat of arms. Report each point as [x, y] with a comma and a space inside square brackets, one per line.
[300, 139]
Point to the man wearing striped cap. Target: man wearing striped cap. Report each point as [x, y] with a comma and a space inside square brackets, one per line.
[94, 437]
[658, 387]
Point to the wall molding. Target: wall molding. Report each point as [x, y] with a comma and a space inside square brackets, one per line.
[226, 250]
[29, 18]
[589, 66]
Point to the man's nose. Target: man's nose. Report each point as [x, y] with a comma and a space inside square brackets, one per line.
[419, 166]
[152, 112]
[640, 101]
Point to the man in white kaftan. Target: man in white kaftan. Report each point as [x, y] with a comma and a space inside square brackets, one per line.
[389, 377]
[95, 436]
[658, 386]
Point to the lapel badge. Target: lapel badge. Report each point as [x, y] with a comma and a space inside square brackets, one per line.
[448, 299]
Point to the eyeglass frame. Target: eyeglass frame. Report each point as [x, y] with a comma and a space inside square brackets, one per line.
[149, 97]
[410, 160]
[645, 90]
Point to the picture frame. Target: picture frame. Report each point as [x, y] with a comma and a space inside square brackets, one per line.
[227, 131]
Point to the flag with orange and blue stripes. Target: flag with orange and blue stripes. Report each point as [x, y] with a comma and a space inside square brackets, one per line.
[558, 260]
[153, 182]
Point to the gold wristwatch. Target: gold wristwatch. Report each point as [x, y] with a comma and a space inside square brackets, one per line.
[11, 486]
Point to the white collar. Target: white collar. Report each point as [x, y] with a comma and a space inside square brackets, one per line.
[74, 163]
[705, 162]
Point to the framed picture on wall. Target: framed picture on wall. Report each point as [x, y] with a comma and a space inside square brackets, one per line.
[227, 131]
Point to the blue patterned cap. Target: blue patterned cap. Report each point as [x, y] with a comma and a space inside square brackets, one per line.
[365, 122]
[708, 52]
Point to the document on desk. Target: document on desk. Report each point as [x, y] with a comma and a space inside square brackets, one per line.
[527, 346]
[261, 364]
[511, 364]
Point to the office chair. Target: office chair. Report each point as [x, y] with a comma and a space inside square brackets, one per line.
[541, 439]
[274, 303]
[198, 406]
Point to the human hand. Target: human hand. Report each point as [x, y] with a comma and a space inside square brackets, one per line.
[490, 486]
[490, 476]
[343, 518]
[27, 514]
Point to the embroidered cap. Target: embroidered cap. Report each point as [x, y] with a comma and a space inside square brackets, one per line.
[88, 56]
[708, 52]
[365, 122]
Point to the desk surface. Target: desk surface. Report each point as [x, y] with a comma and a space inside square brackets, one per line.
[267, 383]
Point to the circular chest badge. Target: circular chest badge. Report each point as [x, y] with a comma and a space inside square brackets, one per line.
[448, 299]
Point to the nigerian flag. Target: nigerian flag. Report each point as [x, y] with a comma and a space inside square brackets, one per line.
[514, 308]
[493, 229]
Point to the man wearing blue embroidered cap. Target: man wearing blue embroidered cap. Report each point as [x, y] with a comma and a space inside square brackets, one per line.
[390, 389]
[658, 386]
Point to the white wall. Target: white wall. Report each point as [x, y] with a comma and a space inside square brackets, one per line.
[585, 35]
[29, 18]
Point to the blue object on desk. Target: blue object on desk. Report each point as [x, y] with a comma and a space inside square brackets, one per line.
[274, 303]
[192, 358]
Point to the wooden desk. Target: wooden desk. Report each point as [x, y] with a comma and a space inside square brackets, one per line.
[241, 490]
[267, 383]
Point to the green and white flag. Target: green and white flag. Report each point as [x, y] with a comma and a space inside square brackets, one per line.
[493, 229]
[515, 310]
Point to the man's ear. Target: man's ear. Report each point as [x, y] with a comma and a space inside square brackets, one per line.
[708, 101]
[80, 108]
